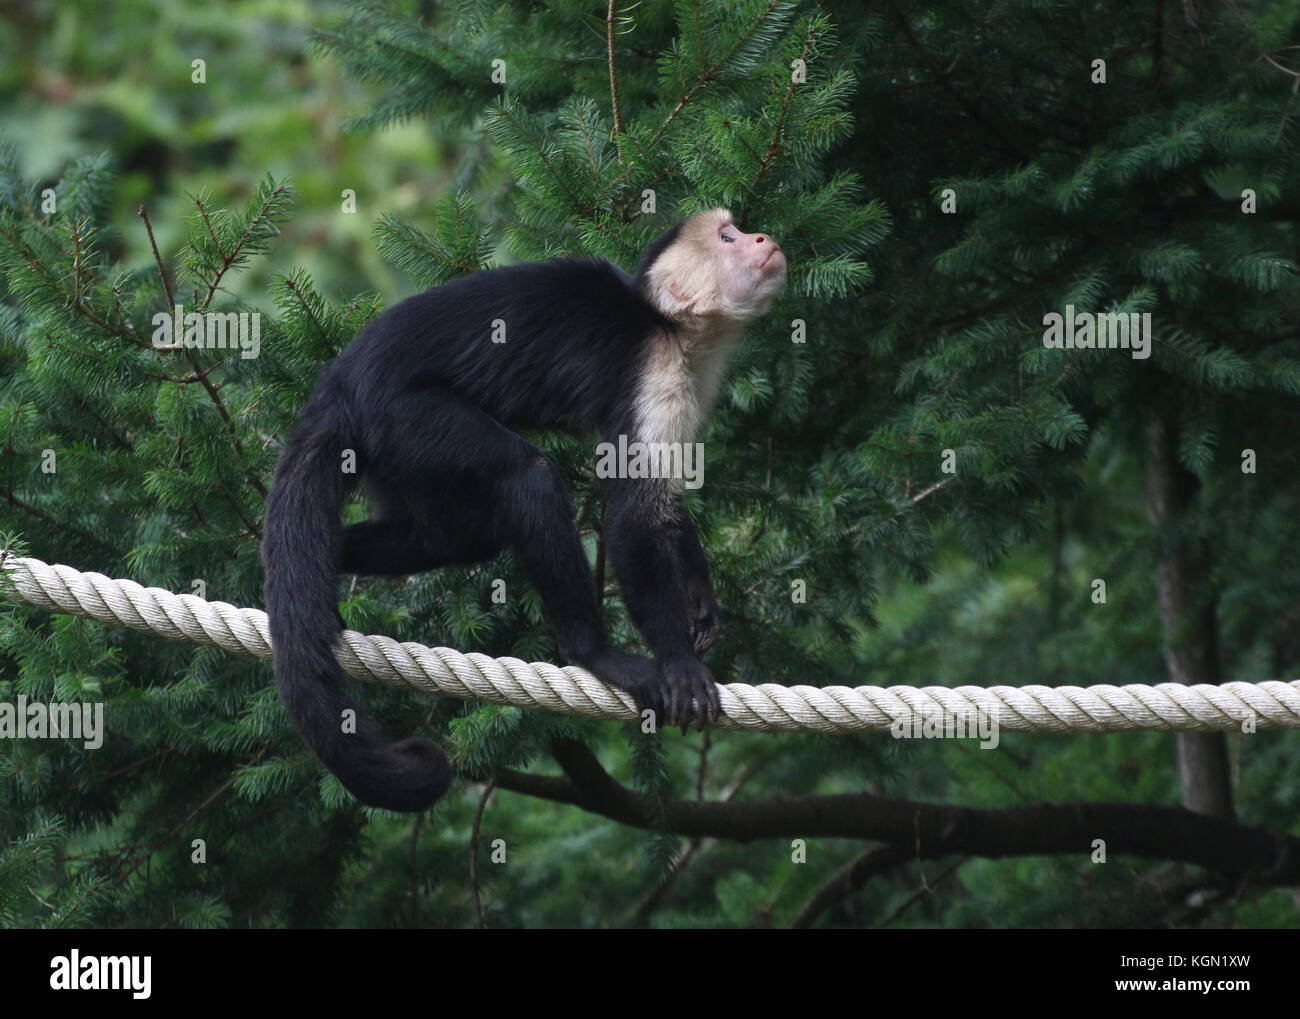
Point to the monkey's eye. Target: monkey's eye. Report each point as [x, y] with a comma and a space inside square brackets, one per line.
[726, 238]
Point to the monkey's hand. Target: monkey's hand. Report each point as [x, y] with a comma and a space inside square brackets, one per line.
[690, 691]
[706, 618]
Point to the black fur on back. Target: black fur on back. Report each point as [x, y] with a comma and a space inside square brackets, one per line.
[574, 328]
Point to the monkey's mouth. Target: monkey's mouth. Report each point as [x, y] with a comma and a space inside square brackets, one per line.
[772, 268]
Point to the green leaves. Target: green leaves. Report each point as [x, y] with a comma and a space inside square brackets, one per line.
[219, 240]
[458, 245]
[29, 894]
[1263, 271]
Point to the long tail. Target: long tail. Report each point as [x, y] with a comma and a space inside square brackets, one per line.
[300, 554]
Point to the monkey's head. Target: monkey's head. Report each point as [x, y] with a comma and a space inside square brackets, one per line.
[706, 266]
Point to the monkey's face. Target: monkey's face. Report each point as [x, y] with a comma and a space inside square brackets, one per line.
[751, 270]
[716, 269]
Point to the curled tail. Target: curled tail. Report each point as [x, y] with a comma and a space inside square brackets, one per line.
[300, 554]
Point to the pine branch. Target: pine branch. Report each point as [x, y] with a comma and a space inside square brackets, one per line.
[703, 79]
[707, 76]
[58, 526]
[259, 220]
[945, 82]
[306, 308]
[611, 14]
[774, 147]
[157, 258]
[34, 262]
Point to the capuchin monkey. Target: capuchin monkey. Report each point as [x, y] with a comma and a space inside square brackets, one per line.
[428, 401]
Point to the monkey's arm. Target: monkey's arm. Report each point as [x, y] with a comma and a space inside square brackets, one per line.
[644, 537]
[701, 604]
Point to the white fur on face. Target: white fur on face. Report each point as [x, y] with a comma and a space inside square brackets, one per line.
[702, 275]
[710, 288]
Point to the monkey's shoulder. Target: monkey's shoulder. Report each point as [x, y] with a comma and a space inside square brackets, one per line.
[580, 276]
[585, 292]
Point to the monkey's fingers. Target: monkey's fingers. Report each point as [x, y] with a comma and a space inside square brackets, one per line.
[706, 625]
[692, 693]
[715, 702]
[706, 634]
[707, 705]
[674, 676]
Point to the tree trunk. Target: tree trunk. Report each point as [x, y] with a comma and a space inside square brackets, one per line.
[1188, 619]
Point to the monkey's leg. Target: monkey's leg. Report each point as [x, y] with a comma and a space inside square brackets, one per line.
[537, 523]
[701, 603]
[396, 547]
[384, 548]
[643, 545]
[494, 490]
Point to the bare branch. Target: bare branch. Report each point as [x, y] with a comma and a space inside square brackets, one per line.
[928, 831]
[157, 258]
[611, 15]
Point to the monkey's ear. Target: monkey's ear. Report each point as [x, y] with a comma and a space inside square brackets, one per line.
[673, 302]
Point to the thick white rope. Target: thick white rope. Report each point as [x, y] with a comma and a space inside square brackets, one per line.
[1167, 707]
